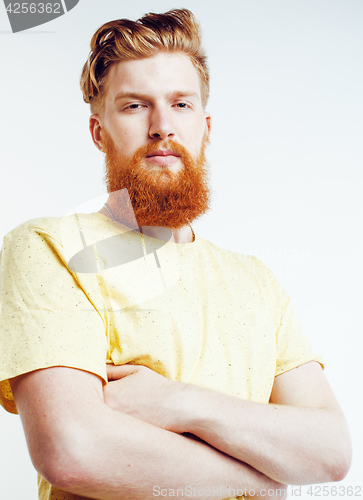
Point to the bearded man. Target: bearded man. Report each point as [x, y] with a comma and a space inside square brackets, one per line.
[143, 360]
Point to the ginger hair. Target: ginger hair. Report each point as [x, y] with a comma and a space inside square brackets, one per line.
[123, 39]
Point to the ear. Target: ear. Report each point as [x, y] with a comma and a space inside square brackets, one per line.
[208, 120]
[95, 127]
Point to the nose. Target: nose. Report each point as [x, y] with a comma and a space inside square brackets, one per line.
[161, 126]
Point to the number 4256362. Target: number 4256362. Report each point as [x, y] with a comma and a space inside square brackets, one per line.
[335, 491]
[34, 8]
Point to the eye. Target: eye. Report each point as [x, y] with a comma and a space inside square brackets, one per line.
[134, 106]
[182, 105]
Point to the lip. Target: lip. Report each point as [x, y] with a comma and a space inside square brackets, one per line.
[163, 157]
[163, 152]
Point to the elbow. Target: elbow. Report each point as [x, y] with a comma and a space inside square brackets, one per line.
[57, 475]
[62, 470]
[338, 472]
[341, 460]
[64, 465]
[341, 467]
[330, 463]
[337, 451]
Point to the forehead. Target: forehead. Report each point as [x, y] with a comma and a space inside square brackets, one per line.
[163, 73]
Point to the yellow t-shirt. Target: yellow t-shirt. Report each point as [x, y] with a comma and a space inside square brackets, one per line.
[84, 290]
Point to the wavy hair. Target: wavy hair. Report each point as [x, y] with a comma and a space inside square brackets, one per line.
[123, 39]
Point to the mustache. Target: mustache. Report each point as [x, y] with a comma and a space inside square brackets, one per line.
[169, 145]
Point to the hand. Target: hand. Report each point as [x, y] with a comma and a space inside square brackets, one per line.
[144, 394]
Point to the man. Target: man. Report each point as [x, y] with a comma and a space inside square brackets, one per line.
[213, 390]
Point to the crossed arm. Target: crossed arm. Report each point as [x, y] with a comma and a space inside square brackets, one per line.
[121, 441]
[300, 438]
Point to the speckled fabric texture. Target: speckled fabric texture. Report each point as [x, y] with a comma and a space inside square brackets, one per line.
[82, 290]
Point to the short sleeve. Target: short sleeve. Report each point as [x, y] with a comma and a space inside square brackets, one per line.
[46, 318]
[292, 345]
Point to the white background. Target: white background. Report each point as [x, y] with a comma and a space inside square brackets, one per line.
[286, 159]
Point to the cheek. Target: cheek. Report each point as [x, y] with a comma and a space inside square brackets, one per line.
[121, 128]
[195, 141]
[201, 131]
[124, 139]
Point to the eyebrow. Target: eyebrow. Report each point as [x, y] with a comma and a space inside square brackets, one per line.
[137, 95]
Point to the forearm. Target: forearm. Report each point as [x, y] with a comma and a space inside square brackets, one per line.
[292, 445]
[126, 458]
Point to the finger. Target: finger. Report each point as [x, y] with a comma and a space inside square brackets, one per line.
[117, 372]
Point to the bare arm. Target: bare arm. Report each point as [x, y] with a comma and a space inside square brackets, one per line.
[81, 445]
[301, 437]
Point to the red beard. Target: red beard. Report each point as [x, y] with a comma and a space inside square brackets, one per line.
[158, 196]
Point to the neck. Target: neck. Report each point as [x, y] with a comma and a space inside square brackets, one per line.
[182, 235]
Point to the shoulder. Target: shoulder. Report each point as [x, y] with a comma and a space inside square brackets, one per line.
[42, 224]
[31, 238]
[53, 228]
[247, 263]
